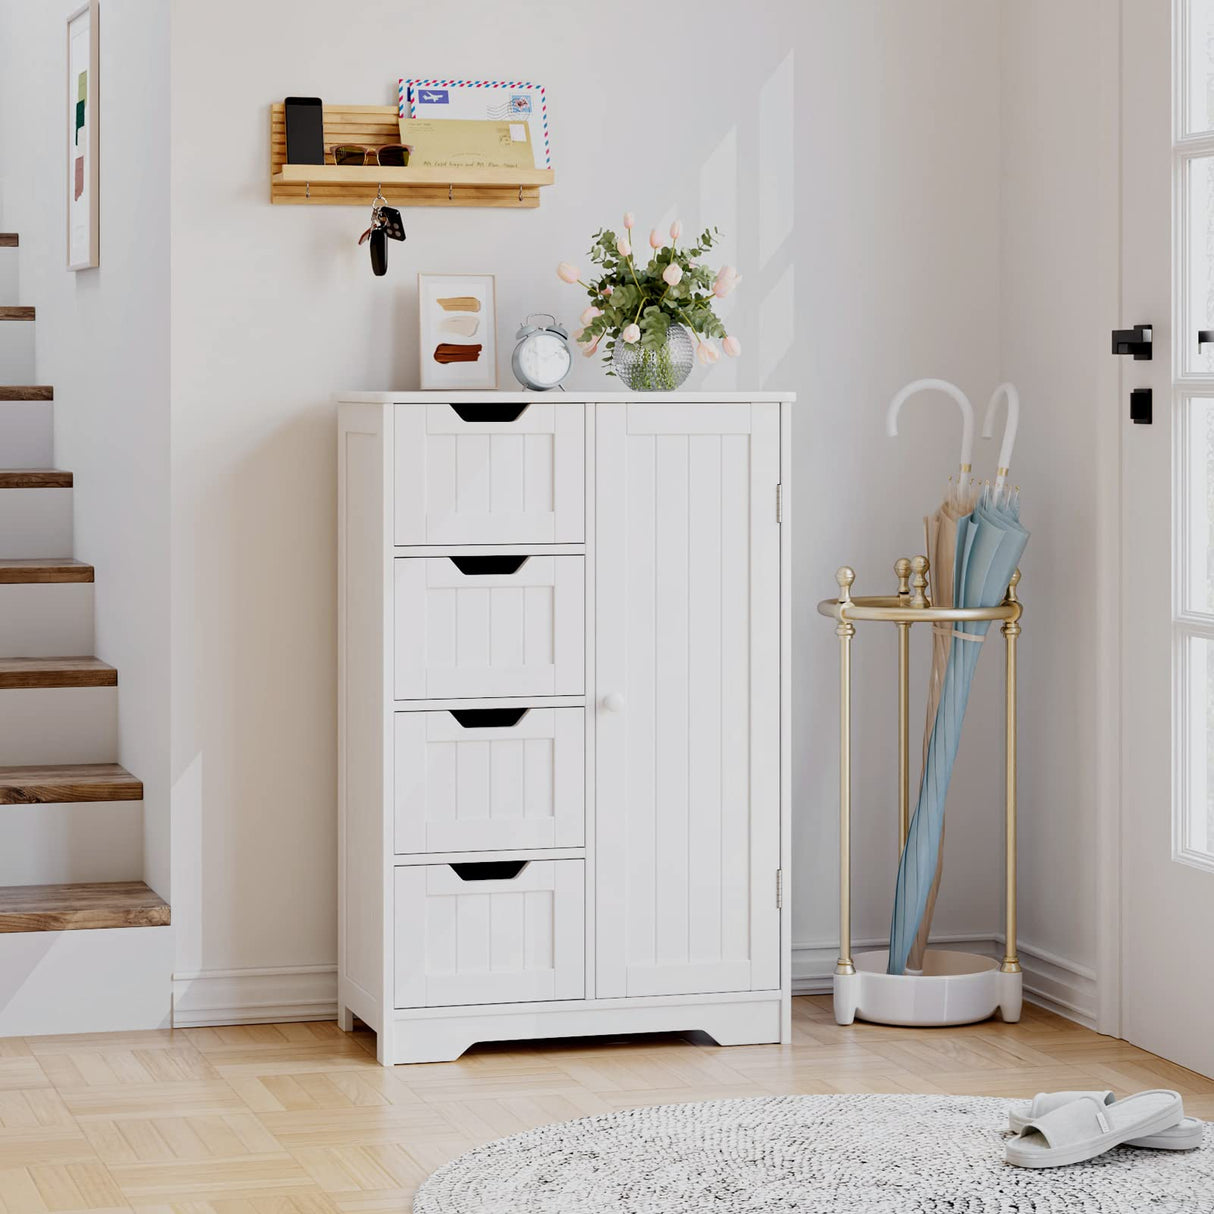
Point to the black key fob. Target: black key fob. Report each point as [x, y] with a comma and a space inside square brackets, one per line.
[379, 252]
[392, 223]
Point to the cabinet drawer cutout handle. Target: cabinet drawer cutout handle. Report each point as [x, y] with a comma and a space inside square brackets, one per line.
[490, 411]
[489, 870]
[488, 718]
[485, 566]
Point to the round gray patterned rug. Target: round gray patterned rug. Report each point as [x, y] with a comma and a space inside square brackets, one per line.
[805, 1155]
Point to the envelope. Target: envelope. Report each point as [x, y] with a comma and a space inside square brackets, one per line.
[467, 143]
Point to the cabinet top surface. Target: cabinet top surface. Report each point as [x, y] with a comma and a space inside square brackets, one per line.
[556, 397]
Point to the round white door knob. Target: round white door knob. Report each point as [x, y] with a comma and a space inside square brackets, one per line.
[613, 702]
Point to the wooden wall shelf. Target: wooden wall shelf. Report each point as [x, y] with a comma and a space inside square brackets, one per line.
[374, 125]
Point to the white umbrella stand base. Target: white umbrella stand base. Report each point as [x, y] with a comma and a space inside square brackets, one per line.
[954, 988]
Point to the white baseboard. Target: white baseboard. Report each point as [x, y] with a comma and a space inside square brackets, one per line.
[255, 996]
[1059, 985]
[1050, 981]
[309, 992]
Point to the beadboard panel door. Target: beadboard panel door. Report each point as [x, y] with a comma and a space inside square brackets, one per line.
[466, 783]
[490, 482]
[688, 715]
[471, 634]
[515, 940]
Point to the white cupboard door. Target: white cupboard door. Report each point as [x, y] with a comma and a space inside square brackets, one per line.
[484, 626]
[477, 936]
[490, 779]
[461, 479]
[688, 698]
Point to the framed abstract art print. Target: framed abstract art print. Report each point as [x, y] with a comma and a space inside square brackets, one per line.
[83, 130]
[458, 330]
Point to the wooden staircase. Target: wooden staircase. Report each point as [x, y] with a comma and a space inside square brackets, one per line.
[33, 512]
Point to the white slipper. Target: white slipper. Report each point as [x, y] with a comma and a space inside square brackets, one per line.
[1088, 1127]
[1185, 1136]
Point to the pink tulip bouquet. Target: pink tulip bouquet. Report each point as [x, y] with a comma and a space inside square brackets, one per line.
[636, 308]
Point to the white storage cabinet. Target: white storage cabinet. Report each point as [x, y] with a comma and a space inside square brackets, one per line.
[564, 717]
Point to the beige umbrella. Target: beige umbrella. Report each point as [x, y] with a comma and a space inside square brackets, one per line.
[940, 545]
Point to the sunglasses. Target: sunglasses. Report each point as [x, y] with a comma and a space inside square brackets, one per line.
[391, 155]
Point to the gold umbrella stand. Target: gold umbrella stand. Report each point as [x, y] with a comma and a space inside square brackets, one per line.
[953, 987]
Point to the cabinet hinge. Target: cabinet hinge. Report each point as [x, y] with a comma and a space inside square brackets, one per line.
[779, 889]
[779, 503]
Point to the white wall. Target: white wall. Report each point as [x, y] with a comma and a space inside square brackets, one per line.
[103, 343]
[1058, 269]
[850, 154]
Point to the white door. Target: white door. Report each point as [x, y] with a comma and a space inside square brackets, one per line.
[687, 814]
[1167, 526]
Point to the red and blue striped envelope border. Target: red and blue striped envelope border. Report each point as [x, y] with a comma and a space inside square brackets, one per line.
[407, 107]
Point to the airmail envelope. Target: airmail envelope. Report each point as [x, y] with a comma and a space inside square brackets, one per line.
[466, 143]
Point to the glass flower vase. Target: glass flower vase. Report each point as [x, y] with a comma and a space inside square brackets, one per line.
[660, 370]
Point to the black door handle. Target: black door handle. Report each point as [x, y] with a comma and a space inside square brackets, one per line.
[1135, 342]
[1204, 337]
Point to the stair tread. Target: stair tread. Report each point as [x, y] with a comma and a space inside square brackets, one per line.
[35, 478]
[44, 569]
[68, 782]
[16, 312]
[55, 908]
[9, 240]
[27, 392]
[56, 672]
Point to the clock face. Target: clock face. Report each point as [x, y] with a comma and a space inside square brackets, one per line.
[544, 359]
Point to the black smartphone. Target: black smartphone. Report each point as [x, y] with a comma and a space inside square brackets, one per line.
[305, 130]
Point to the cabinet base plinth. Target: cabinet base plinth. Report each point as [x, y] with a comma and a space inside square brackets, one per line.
[443, 1034]
[953, 988]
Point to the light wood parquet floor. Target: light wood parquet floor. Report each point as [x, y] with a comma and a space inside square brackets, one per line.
[300, 1119]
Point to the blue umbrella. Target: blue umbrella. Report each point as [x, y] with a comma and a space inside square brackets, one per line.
[990, 542]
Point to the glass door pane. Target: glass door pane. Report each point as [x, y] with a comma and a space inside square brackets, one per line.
[1198, 201]
[1195, 826]
[1198, 63]
[1197, 508]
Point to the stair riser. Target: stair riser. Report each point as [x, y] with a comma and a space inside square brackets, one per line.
[41, 726]
[60, 844]
[27, 434]
[35, 522]
[112, 980]
[46, 620]
[10, 293]
[17, 351]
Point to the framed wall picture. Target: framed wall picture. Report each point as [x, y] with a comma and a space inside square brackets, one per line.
[83, 138]
[458, 322]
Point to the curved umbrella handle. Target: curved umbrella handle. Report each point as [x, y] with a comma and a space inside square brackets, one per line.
[1009, 430]
[967, 416]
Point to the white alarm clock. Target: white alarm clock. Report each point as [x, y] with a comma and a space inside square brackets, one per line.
[542, 357]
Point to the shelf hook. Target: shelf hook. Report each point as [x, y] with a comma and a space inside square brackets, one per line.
[450, 192]
[520, 193]
[307, 189]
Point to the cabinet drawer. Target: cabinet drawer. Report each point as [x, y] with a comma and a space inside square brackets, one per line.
[464, 479]
[490, 779]
[489, 933]
[489, 626]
